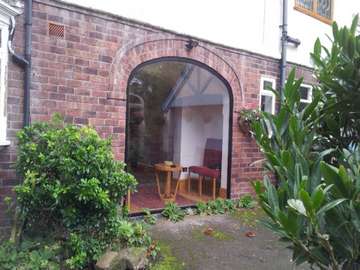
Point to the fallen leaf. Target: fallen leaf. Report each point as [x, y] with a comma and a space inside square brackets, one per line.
[250, 234]
[208, 231]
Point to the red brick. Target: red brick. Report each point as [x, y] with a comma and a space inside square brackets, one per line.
[85, 75]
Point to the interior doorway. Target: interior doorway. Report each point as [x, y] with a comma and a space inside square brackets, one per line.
[178, 133]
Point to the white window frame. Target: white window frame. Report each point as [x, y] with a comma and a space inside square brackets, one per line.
[3, 83]
[265, 92]
[309, 98]
[6, 12]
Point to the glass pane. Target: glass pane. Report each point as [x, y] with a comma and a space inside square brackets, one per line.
[268, 85]
[308, 4]
[303, 105]
[304, 92]
[324, 8]
[178, 113]
[266, 103]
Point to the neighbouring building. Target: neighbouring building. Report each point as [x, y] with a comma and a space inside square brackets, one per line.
[161, 95]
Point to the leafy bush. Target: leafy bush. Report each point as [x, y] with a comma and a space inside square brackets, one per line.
[337, 70]
[229, 205]
[323, 223]
[173, 212]
[71, 190]
[214, 207]
[29, 256]
[315, 206]
[202, 208]
[133, 234]
[246, 201]
[148, 217]
[217, 206]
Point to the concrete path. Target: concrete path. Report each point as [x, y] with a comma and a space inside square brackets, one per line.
[220, 242]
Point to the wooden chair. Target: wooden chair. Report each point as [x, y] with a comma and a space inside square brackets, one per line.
[211, 168]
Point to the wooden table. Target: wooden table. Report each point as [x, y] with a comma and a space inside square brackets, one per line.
[167, 195]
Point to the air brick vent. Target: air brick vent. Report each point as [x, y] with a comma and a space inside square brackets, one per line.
[56, 30]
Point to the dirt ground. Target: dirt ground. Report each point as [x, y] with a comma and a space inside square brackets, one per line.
[220, 242]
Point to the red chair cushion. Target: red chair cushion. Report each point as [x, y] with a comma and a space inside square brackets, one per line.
[204, 171]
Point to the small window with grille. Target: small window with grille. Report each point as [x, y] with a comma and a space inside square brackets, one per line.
[319, 9]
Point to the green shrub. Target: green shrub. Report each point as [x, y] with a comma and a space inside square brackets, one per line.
[337, 70]
[229, 205]
[148, 217]
[72, 188]
[29, 256]
[246, 201]
[133, 234]
[214, 207]
[173, 212]
[202, 208]
[217, 206]
[316, 206]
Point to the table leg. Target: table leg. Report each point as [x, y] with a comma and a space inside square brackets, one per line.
[200, 185]
[189, 182]
[158, 183]
[214, 188]
[168, 185]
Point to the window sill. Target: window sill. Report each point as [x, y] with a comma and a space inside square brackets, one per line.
[4, 143]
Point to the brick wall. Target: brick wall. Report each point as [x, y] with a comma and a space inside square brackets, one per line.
[84, 77]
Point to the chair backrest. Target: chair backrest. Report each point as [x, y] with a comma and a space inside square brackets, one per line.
[213, 153]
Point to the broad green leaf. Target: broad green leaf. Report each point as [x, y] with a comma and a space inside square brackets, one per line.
[335, 30]
[317, 48]
[306, 199]
[354, 24]
[331, 176]
[317, 198]
[330, 206]
[298, 206]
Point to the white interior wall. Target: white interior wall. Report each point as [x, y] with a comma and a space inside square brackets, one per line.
[198, 124]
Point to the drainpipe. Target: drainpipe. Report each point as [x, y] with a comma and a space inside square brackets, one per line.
[284, 39]
[25, 61]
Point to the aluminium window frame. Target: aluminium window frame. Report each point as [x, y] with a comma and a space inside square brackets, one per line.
[231, 112]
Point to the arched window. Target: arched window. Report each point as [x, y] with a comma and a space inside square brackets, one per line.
[178, 114]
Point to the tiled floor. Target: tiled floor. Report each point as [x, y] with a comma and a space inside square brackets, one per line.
[148, 197]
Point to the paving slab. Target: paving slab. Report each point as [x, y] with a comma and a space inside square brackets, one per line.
[222, 242]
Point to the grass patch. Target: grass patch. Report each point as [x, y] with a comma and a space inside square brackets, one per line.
[221, 236]
[248, 218]
[206, 232]
[167, 260]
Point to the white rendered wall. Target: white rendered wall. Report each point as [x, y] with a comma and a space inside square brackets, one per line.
[250, 25]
